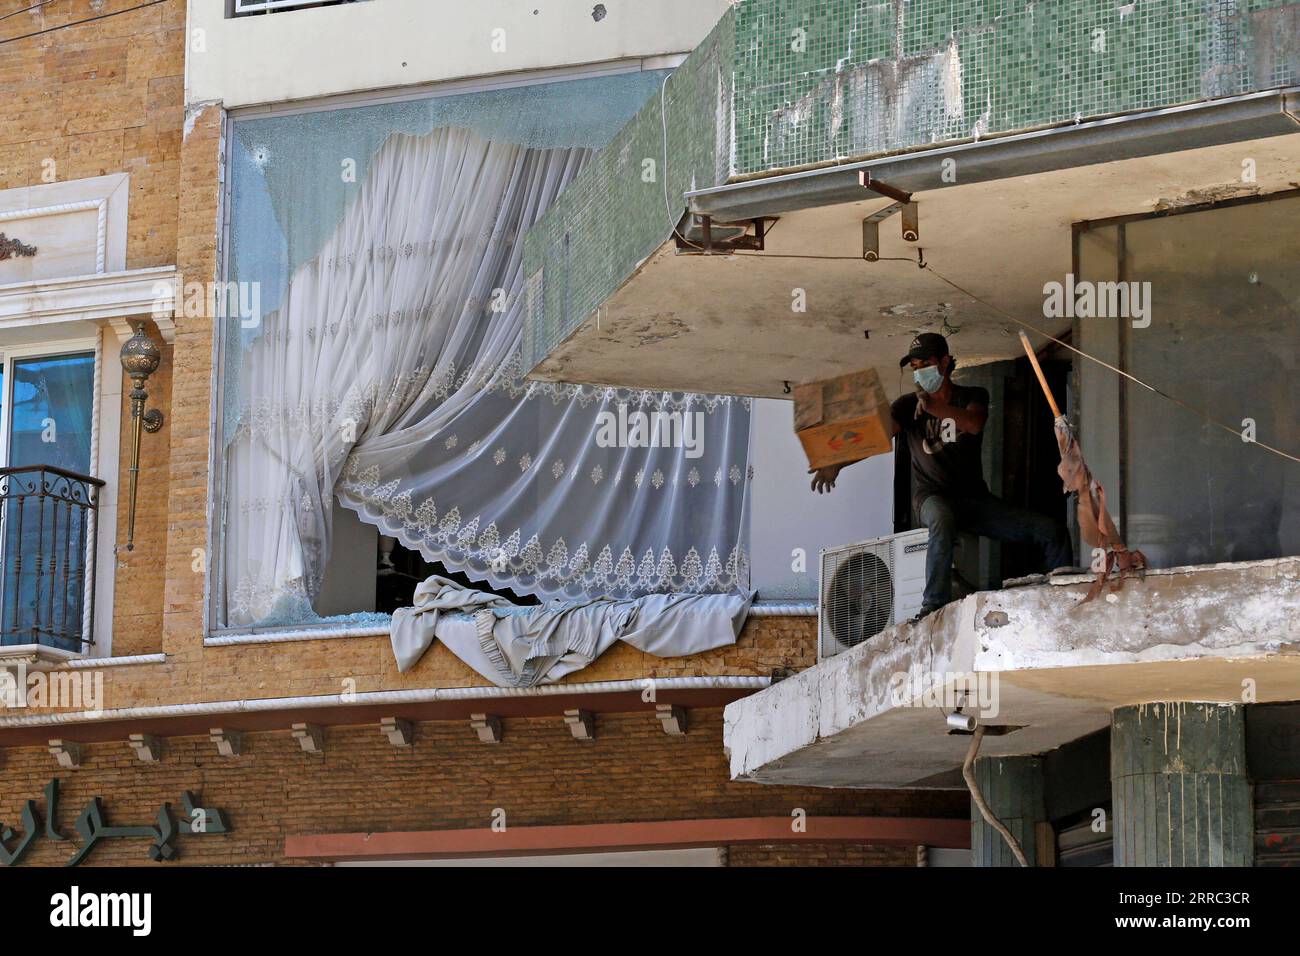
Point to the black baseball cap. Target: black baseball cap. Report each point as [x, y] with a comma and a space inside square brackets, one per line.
[927, 345]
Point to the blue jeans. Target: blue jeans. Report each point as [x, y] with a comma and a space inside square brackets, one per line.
[992, 518]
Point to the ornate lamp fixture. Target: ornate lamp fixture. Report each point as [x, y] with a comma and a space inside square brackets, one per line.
[140, 358]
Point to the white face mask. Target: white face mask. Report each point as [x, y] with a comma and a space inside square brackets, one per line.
[929, 378]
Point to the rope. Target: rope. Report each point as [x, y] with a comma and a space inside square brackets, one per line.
[968, 772]
[1132, 378]
[1235, 432]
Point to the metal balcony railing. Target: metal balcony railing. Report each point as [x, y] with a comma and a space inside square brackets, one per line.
[242, 7]
[47, 556]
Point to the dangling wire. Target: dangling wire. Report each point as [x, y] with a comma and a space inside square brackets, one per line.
[1118, 371]
[922, 264]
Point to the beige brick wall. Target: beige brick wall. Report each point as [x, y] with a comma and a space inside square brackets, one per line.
[538, 774]
[138, 582]
[107, 97]
[99, 98]
[308, 668]
[94, 99]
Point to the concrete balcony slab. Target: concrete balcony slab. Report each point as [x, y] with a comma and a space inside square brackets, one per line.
[1032, 658]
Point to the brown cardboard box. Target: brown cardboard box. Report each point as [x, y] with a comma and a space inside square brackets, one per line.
[842, 419]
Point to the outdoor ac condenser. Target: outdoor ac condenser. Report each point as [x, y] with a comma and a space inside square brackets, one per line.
[868, 586]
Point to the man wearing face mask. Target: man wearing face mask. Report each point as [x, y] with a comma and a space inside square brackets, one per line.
[943, 422]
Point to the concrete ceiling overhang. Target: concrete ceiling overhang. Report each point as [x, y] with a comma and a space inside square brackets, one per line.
[733, 323]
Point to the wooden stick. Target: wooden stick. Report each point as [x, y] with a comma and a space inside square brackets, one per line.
[1042, 380]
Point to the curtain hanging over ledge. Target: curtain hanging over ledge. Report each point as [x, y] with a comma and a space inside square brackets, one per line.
[388, 375]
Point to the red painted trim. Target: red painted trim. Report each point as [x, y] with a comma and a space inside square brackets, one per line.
[604, 837]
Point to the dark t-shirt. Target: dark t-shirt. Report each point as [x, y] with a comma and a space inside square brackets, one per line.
[952, 469]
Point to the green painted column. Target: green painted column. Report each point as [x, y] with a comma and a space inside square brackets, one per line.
[1013, 789]
[1179, 786]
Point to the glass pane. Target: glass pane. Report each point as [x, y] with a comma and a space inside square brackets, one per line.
[46, 516]
[1219, 333]
[53, 404]
[1225, 298]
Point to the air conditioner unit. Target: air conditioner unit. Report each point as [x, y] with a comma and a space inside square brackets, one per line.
[867, 587]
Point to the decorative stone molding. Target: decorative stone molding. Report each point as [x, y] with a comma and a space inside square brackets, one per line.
[100, 206]
[311, 737]
[399, 732]
[111, 297]
[78, 227]
[673, 719]
[581, 723]
[146, 746]
[487, 726]
[36, 655]
[230, 743]
[66, 752]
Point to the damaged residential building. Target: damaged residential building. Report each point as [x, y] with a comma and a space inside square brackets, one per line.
[346, 601]
[1122, 183]
[398, 457]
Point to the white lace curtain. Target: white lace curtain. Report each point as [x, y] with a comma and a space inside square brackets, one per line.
[389, 376]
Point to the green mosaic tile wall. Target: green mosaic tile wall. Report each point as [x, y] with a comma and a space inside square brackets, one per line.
[617, 211]
[818, 80]
[791, 83]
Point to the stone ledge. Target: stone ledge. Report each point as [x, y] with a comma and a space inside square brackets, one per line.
[875, 716]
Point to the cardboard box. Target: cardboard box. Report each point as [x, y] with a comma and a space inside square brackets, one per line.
[842, 419]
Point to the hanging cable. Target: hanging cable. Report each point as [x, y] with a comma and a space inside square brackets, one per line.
[1118, 371]
[1047, 335]
[77, 23]
[34, 6]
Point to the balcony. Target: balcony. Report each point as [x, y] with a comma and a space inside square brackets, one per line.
[1037, 670]
[245, 7]
[47, 562]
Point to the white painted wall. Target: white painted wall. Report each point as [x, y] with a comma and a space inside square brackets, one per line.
[302, 54]
[786, 514]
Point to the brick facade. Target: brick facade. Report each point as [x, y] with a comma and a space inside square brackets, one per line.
[538, 774]
[90, 100]
[193, 672]
[108, 97]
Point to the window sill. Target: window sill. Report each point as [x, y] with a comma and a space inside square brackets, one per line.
[40, 656]
[283, 635]
[286, 634]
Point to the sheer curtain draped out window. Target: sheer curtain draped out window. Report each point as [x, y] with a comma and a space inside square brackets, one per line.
[383, 370]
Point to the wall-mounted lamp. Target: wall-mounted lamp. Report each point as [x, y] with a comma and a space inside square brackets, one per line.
[140, 358]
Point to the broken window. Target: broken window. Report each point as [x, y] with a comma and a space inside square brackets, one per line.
[1202, 304]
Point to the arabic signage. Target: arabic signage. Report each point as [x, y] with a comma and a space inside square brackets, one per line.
[92, 826]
